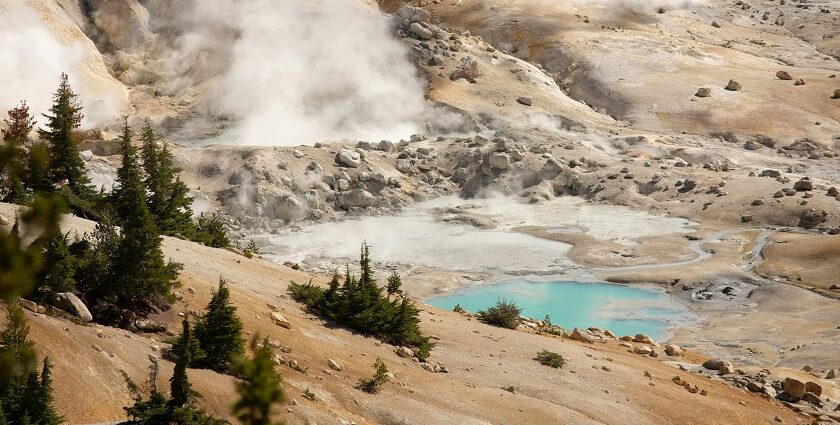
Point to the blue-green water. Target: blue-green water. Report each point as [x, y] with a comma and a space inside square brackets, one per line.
[622, 309]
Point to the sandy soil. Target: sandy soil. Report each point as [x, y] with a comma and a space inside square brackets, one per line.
[804, 260]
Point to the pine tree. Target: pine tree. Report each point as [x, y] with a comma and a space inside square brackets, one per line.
[17, 353]
[219, 331]
[180, 389]
[59, 265]
[94, 266]
[128, 189]
[13, 173]
[138, 272]
[394, 284]
[168, 200]
[211, 231]
[187, 341]
[260, 388]
[46, 413]
[65, 162]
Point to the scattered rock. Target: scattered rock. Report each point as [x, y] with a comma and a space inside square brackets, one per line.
[356, 198]
[716, 364]
[643, 350]
[799, 82]
[673, 350]
[334, 365]
[733, 86]
[418, 30]
[644, 339]
[467, 69]
[499, 161]
[836, 94]
[72, 304]
[403, 165]
[279, 320]
[783, 75]
[703, 92]
[812, 218]
[751, 145]
[578, 336]
[404, 352]
[793, 387]
[803, 185]
[813, 388]
[348, 158]
[524, 101]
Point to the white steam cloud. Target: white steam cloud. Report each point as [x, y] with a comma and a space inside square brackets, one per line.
[32, 57]
[298, 71]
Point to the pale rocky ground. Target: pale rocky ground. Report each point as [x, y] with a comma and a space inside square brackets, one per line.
[613, 118]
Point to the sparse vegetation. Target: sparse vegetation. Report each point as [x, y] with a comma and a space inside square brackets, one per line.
[211, 232]
[551, 359]
[260, 388]
[459, 309]
[308, 394]
[158, 410]
[373, 384]
[219, 333]
[504, 314]
[25, 395]
[251, 250]
[362, 306]
[394, 284]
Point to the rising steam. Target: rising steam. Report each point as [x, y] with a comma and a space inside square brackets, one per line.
[32, 57]
[295, 71]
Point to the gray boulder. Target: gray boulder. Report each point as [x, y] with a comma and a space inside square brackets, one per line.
[70, 303]
[348, 158]
[356, 198]
[499, 161]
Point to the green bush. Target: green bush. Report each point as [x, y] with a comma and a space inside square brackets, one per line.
[551, 359]
[211, 232]
[373, 384]
[362, 306]
[504, 314]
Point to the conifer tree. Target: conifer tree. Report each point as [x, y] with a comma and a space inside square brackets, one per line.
[219, 331]
[260, 388]
[65, 162]
[45, 410]
[138, 272]
[179, 389]
[394, 284]
[168, 200]
[59, 265]
[17, 352]
[94, 267]
[13, 173]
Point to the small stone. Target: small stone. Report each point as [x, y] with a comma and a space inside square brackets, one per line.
[799, 82]
[524, 101]
[783, 75]
[279, 320]
[733, 86]
[334, 365]
[703, 92]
